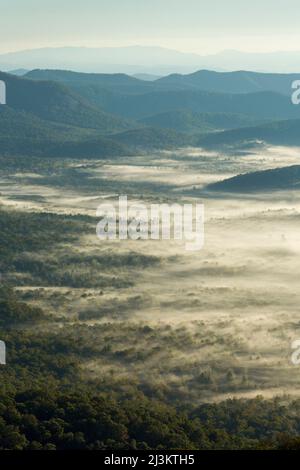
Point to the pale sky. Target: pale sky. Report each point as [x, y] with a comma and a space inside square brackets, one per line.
[201, 26]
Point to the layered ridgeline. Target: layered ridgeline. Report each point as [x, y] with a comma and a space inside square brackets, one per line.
[260, 96]
[57, 113]
[194, 104]
[47, 118]
[205, 80]
[146, 59]
[278, 179]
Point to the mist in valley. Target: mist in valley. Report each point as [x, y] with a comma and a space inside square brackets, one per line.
[191, 326]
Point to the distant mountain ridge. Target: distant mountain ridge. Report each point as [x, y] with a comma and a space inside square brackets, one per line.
[131, 60]
[89, 84]
[150, 60]
[64, 113]
[259, 96]
[202, 80]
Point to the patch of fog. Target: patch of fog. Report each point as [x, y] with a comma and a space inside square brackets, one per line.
[156, 174]
[27, 175]
[19, 205]
[282, 392]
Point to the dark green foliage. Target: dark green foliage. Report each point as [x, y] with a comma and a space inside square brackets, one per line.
[24, 134]
[45, 404]
[54, 102]
[15, 313]
[184, 120]
[44, 419]
[30, 244]
[38, 419]
[152, 138]
[33, 232]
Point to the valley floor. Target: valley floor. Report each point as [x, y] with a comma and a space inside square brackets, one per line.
[185, 327]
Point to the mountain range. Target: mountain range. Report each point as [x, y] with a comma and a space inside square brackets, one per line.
[203, 80]
[64, 113]
[262, 96]
[149, 60]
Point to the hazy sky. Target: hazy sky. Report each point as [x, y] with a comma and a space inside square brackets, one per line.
[202, 26]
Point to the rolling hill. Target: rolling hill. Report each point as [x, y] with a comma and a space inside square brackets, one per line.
[278, 133]
[184, 120]
[118, 82]
[15, 123]
[55, 102]
[98, 89]
[258, 96]
[24, 134]
[263, 105]
[286, 178]
[231, 82]
[203, 80]
[44, 118]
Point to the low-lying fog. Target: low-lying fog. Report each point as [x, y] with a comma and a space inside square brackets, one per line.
[233, 307]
